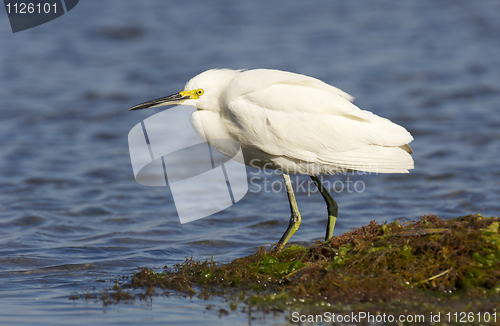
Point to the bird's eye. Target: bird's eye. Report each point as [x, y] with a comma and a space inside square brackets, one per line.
[199, 92]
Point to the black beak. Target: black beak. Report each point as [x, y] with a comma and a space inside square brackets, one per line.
[168, 100]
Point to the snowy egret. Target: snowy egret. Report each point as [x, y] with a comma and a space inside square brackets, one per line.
[292, 123]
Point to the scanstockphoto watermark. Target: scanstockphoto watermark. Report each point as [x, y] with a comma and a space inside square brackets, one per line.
[360, 317]
[455, 317]
[202, 180]
[265, 185]
[261, 182]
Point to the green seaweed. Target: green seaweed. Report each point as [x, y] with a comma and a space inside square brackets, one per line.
[270, 266]
[426, 265]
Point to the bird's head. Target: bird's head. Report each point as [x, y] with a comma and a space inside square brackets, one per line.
[203, 91]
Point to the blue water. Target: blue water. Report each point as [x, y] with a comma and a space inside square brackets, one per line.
[73, 217]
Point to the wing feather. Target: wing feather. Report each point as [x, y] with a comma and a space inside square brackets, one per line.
[304, 119]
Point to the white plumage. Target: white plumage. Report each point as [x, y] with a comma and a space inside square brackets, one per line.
[291, 122]
[297, 123]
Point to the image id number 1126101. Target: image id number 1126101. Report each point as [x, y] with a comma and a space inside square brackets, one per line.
[31, 8]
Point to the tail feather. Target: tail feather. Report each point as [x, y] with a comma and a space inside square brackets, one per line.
[373, 158]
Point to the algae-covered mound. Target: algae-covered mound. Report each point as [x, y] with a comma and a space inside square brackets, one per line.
[377, 262]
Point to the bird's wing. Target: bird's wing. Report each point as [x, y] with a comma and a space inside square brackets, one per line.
[252, 81]
[313, 124]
